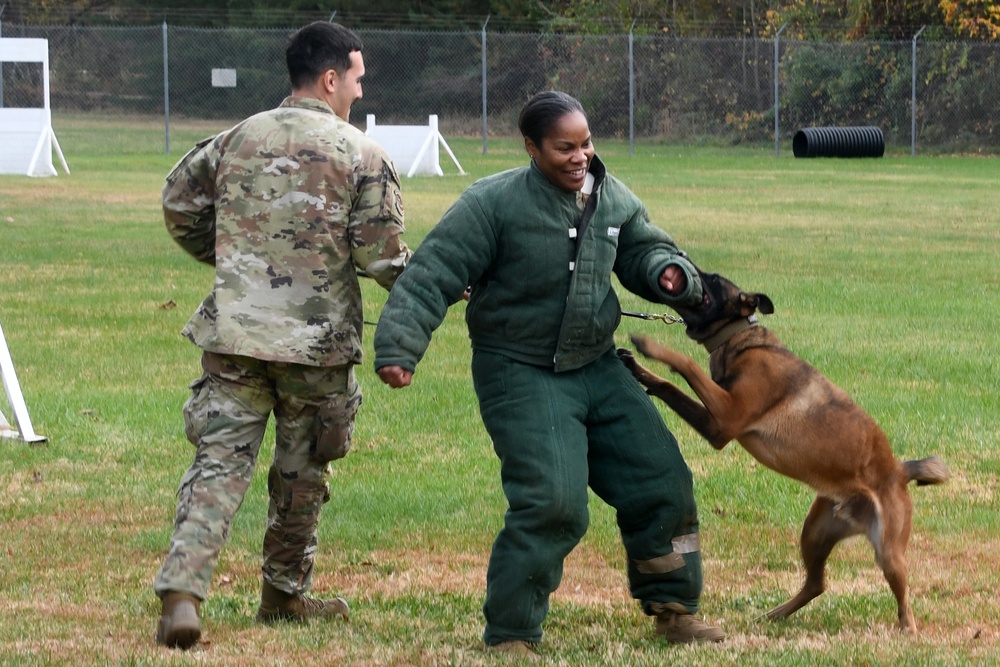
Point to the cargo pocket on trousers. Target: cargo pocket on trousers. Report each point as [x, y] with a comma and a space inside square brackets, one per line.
[195, 416]
[335, 427]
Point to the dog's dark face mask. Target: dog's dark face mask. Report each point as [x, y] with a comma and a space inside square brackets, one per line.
[722, 302]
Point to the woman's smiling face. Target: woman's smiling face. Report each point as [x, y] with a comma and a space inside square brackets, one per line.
[565, 152]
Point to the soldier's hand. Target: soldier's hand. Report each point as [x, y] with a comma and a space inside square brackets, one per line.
[395, 376]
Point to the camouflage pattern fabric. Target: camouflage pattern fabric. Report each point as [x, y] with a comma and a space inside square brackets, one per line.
[287, 205]
[225, 418]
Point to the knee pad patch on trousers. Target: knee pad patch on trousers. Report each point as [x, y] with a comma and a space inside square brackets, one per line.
[295, 495]
[682, 544]
[334, 426]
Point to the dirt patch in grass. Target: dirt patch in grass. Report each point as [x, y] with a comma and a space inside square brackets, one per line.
[588, 578]
[952, 593]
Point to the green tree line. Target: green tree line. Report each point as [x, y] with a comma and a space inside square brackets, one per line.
[802, 19]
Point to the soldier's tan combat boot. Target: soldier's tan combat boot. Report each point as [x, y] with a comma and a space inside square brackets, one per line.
[679, 626]
[516, 649]
[278, 605]
[179, 626]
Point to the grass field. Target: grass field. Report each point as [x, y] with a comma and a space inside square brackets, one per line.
[883, 273]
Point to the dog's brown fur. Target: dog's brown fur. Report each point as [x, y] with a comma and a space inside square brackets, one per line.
[792, 419]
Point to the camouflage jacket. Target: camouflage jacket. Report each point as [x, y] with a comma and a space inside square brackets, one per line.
[287, 205]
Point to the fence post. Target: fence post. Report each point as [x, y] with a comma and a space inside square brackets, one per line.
[913, 96]
[485, 124]
[777, 100]
[166, 92]
[631, 91]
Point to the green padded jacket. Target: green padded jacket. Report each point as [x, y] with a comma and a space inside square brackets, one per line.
[540, 271]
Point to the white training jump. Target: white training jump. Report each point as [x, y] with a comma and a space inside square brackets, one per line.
[414, 149]
[26, 133]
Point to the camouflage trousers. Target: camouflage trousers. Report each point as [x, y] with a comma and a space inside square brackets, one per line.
[225, 418]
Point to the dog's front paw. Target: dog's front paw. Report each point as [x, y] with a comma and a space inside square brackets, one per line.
[639, 372]
[626, 357]
[641, 343]
[653, 350]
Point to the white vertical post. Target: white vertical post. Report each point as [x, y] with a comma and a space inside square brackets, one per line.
[430, 140]
[447, 148]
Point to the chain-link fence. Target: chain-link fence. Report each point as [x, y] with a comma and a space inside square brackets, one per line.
[641, 87]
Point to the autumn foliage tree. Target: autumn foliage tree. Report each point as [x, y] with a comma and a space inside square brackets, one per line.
[804, 19]
[978, 19]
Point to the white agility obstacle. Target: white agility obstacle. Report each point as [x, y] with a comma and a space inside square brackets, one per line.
[414, 149]
[26, 133]
[22, 429]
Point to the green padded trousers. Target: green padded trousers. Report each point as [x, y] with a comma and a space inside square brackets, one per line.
[556, 434]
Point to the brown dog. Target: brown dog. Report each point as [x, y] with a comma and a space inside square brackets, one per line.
[795, 421]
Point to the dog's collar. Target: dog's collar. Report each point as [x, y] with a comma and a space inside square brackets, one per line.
[714, 341]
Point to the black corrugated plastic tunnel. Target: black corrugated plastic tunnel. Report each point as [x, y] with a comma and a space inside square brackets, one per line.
[838, 142]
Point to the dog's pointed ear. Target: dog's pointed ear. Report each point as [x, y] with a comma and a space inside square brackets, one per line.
[755, 302]
[764, 304]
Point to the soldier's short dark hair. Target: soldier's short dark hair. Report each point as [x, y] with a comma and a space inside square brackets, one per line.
[318, 47]
[542, 111]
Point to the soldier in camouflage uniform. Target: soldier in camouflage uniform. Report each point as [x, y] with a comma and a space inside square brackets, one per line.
[287, 206]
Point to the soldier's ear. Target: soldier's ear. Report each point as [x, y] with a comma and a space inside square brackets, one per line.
[329, 80]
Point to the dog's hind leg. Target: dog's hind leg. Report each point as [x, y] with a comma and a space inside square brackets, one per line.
[890, 553]
[887, 525]
[893, 564]
[821, 532]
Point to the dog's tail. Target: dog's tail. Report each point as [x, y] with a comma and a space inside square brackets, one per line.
[931, 470]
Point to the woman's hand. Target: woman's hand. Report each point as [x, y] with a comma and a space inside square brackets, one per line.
[395, 376]
[673, 280]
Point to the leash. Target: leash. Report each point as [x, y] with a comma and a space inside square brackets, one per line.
[666, 318]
